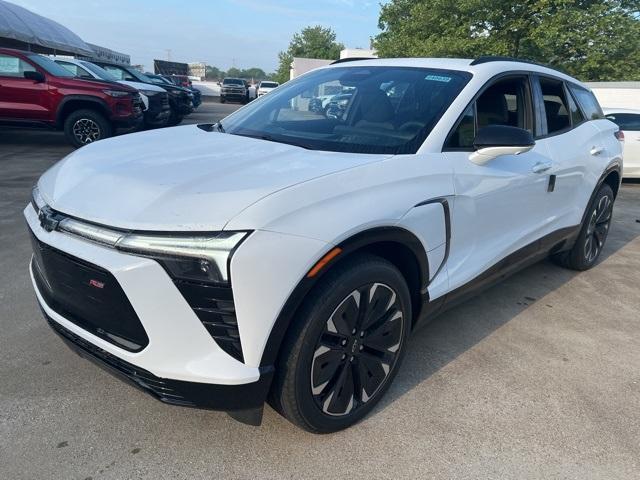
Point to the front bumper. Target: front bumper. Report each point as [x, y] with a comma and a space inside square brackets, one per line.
[181, 356]
[228, 398]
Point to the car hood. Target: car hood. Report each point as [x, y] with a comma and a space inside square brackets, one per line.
[181, 179]
[142, 86]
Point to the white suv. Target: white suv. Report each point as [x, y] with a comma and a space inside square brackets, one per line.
[285, 255]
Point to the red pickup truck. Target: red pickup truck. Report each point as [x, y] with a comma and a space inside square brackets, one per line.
[36, 91]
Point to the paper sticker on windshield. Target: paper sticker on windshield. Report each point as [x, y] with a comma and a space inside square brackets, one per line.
[438, 78]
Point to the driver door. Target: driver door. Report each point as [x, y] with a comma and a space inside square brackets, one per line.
[500, 207]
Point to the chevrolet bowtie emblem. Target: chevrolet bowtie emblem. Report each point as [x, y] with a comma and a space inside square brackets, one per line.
[48, 219]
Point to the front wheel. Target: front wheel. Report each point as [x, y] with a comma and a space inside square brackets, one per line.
[86, 126]
[345, 349]
[593, 233]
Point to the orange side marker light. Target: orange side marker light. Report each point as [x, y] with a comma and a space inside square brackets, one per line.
[323, 261]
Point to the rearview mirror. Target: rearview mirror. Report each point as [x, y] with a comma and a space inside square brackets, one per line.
[496, 140]
[34, 75]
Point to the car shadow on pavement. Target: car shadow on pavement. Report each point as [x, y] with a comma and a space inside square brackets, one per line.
[434, 345]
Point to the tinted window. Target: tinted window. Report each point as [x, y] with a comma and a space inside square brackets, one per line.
[353, 109]
[233, 81]
[99, 71]
[268, 84]
[576, 114]
[588, 102]
[11, 66]
[502, 103]
[555, 105]
[50, 66]
[626, 121]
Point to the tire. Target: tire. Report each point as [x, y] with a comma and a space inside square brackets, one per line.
[223, 100]
[86, 126]
[321, 352]
[593, 234]
[174, 119]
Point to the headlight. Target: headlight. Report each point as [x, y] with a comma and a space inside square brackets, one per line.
[149, 93]
[36, 199]
[199, 258]
[117, 93]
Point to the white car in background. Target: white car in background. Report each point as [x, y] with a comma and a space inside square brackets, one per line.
[154, 98]
[629, 122]
[283, 256]
[265, 87]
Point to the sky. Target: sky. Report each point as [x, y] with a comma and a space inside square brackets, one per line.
[222, 33]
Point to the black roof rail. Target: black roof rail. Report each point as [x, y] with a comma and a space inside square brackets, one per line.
[352, 59]
[498, 58]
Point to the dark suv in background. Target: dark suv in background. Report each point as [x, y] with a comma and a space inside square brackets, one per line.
[36, 91]
[180, 99]
[234, 90]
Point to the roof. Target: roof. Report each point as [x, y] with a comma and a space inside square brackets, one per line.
[484, 69]
[17, 23]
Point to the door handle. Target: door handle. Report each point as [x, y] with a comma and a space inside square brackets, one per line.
[541, 167]
[595, 151]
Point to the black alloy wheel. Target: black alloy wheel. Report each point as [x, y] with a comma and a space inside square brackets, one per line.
[345, 345]
[357, 349]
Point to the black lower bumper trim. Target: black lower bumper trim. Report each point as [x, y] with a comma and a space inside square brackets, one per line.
[249, 396]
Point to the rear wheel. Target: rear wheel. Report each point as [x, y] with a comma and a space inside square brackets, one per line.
[593, 233]
[345, 349]
[174, 119]
[86, 126]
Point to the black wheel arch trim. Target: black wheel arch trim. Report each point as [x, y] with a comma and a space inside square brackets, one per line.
[104, 108]
[358, 241]
[614, 166]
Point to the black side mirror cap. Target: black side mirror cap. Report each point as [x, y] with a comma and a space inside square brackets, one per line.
[34, 75]
[503, 136]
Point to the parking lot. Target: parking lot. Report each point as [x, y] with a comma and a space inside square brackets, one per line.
[536, 378]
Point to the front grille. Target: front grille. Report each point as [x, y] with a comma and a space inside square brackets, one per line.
[88, 296]
[138, 105]
[215, 308]
[164, 100]
[138, 376]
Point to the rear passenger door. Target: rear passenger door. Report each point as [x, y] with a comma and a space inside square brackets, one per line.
[21, 98]
[500, 207]
[575, 146]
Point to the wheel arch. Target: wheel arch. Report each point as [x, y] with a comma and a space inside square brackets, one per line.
[395, 244]
[72, 103]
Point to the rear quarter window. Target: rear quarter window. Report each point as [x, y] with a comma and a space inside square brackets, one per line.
[587, 102]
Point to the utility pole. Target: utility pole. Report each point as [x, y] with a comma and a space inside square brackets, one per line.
[168, 54]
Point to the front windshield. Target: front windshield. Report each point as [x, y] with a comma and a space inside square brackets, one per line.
[158, 80]
[99, 71]
[269, 84]
[51, 67]
[233, 81]
[352, 109]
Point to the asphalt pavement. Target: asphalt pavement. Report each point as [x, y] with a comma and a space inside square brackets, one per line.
[538, 377]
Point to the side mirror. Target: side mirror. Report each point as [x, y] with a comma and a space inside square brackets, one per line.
[34, 75]
[496, 140]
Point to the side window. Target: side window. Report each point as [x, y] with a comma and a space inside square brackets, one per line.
[69, 66]
[11, 66]
[626, 121]
[588, 102]
[555, 105]
[576, 115]
[506, 102]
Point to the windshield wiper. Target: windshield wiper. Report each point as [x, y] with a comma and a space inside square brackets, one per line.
[208, 127]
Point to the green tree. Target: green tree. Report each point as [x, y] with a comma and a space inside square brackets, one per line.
[590, 39]
[311, 42]
[213, 73]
